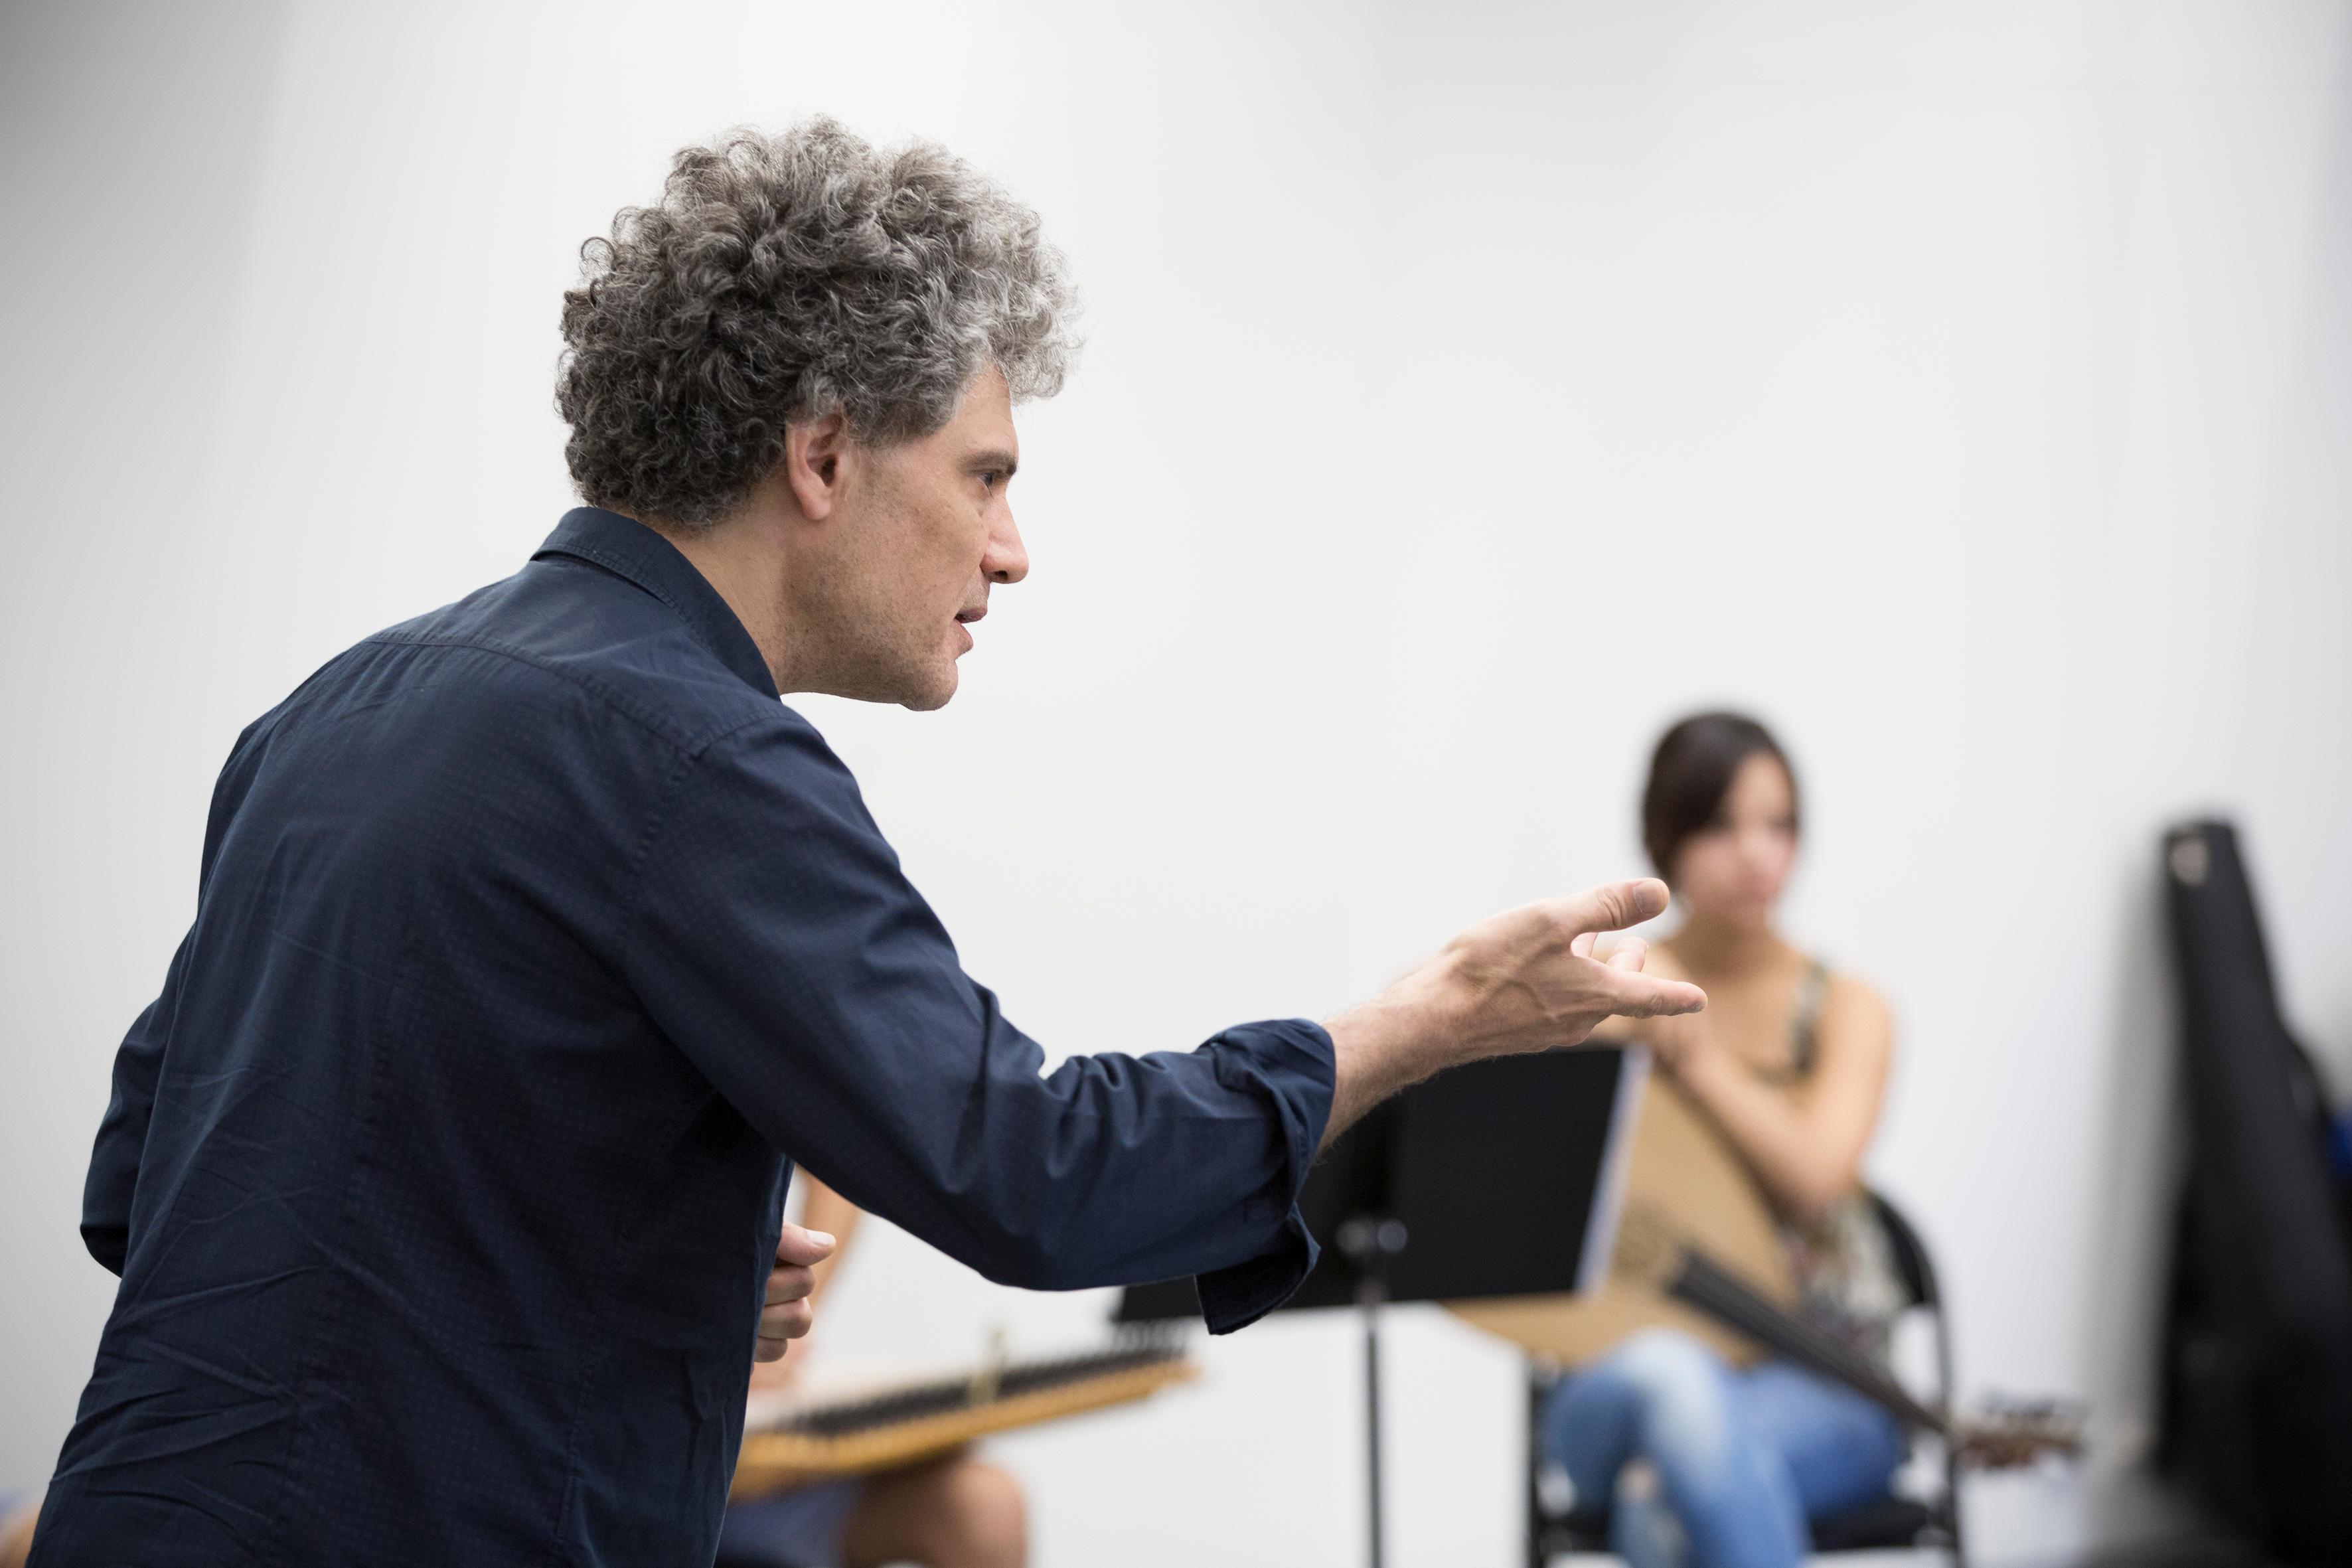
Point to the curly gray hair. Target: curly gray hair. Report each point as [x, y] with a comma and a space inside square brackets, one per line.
[783, 277]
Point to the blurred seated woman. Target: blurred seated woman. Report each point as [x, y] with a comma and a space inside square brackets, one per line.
[1697, 1461]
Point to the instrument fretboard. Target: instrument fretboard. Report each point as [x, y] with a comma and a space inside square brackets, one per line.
[915, 1401]
[917, 1421]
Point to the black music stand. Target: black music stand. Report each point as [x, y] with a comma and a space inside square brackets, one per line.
[1503, 1178]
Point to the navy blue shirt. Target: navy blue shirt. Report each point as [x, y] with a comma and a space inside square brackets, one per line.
[532, 939]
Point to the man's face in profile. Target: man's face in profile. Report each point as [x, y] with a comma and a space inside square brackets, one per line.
[927, 530]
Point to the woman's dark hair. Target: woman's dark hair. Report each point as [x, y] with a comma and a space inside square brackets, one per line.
[1690, 771]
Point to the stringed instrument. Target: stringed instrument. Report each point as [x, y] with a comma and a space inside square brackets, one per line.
[1698, 1249]
[911, 1422]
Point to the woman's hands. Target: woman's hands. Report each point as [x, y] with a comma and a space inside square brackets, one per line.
[1804, 1141]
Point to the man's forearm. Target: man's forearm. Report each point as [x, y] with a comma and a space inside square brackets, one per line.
[1397, 1038]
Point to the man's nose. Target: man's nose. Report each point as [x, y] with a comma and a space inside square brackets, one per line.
[1007, 560]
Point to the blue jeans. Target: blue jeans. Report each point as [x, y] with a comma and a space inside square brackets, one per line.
[1742, 1459]
[798, 1529]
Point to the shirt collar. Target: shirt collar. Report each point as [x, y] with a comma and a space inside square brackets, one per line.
[628, 549]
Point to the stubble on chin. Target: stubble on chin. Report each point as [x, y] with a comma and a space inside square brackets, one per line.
[929, 687]
[932, 696]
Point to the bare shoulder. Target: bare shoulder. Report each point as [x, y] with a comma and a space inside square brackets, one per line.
[1851, 1006]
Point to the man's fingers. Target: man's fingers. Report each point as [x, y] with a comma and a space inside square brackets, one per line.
[790, 1282]
[780, 1325]
[787, 1314]
[1582, 946]
[1629, 953]
[788, 1320]
[802, 1246]
[1612, 906]
[1647, 997]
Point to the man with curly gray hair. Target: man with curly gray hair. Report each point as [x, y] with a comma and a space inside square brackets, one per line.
[535, 938]
[806, 327]
[780, 280]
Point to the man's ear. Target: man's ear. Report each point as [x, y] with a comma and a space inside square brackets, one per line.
[815, 454]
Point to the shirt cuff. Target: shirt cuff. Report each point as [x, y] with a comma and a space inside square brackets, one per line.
[1291, 1062]
[1235, 1297]
[110, 1243]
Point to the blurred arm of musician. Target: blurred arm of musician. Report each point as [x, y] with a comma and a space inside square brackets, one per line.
[951, 1512]
[1802, 1128]
[17, 1533]
[1805, 1141]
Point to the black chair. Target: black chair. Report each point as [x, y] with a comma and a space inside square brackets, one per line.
[1884, 1523]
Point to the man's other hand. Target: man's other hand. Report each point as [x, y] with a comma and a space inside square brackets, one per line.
[1525, 980]
[787, 1313]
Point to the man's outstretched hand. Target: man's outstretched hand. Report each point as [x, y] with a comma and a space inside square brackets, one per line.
[1521, 981]
[786, 1315]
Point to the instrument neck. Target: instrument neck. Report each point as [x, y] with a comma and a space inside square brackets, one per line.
[1706, 1285]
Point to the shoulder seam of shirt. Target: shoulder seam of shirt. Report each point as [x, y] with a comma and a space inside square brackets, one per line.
[661, 725]
[660, 819]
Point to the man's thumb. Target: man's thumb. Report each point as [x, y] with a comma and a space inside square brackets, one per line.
[802, 1246]
[1614, 905]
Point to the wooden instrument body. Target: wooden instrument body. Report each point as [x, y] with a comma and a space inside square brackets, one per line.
[1682, 1171]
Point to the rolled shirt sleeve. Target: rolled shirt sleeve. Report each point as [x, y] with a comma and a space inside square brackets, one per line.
[776, 943]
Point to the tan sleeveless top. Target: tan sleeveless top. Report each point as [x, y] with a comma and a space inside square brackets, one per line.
[1843, 1262]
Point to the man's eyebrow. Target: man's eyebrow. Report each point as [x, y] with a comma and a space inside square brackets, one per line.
[979, 462]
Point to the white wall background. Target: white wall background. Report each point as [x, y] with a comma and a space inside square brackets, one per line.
[1474, 388]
